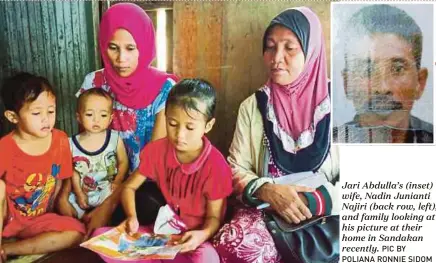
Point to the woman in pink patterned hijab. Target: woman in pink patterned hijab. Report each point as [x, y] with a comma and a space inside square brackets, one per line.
[282, 130]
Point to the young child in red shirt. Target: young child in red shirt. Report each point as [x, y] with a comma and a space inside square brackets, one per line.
[34, 160]
[192, 174]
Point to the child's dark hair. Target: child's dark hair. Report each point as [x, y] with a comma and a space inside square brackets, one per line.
[188, 92]
[92, 92]
[23, 88]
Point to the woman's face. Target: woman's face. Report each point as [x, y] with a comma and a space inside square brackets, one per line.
[283, 56]
[123, 53]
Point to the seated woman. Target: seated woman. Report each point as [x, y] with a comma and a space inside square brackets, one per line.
[282, 129]
[139, 91]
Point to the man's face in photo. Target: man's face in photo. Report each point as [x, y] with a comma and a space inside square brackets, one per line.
[382, 80]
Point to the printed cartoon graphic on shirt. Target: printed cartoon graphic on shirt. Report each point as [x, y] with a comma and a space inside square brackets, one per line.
[50, 185]
[32, 198]
[96, 172]
[110, 161]
[83, 166]
[25, 196]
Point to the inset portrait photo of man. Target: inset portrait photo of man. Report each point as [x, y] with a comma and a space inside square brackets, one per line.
[382, 63]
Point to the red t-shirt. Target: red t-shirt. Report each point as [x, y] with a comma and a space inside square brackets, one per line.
[187, 187]
[31, 180]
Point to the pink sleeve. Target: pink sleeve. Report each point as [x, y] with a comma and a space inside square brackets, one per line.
[146, 167]
[219, 184]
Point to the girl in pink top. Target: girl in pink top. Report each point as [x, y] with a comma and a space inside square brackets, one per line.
[193, 176]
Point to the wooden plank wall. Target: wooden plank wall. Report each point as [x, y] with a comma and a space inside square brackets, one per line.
[51, 39]
[222, 42]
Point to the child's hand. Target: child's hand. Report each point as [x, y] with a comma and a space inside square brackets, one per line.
[86, 189]
[82, 200]
[191, 240]
[114, 186]
[65, 208]
[131, 225]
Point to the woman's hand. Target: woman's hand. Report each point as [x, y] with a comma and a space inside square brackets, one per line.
[191, 240]
[285, 201]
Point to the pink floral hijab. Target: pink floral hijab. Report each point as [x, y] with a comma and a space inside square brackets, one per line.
[309, 91]
[296, 116]
[138, 90]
